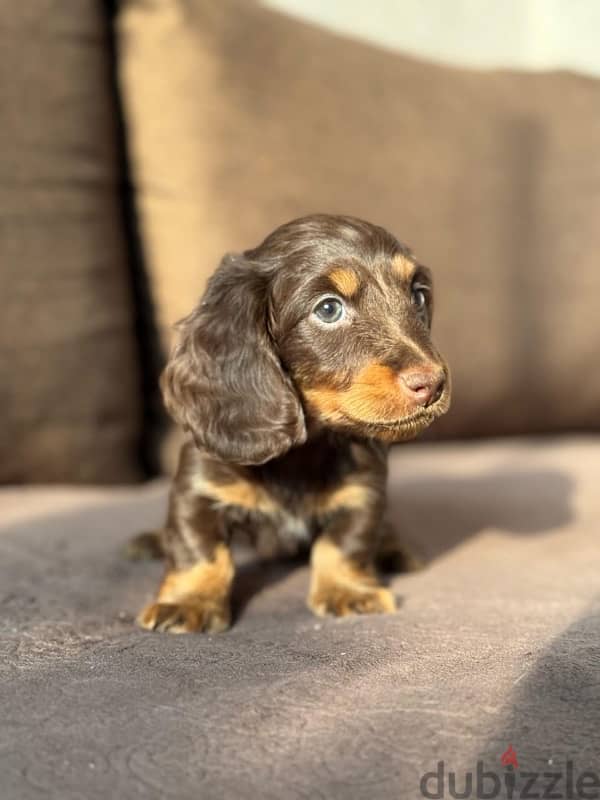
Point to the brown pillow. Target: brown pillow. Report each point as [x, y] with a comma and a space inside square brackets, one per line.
[240, 118]
[68, 382]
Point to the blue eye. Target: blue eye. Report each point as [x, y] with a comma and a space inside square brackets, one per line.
[330, 310]
[419, 297]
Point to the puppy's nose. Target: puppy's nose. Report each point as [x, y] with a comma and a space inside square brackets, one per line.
[423, 388]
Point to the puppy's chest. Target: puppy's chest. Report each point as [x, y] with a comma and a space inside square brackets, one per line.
[278, 517]
[280, 533]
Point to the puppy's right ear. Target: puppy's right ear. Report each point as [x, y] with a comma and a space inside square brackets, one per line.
[224, 382]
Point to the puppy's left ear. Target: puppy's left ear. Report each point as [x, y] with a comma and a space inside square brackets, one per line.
[224, 382]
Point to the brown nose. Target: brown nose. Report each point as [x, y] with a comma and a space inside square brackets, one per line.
[424, 388]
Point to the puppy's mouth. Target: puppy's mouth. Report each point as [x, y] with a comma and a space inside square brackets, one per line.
[408, 426]
[374, 411]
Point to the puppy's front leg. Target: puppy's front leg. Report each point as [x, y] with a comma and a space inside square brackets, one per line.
[343, 576]
[195, 592]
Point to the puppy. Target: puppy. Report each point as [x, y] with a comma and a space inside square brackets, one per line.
[305, 358]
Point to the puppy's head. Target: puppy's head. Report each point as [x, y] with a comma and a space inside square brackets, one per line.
[327, 322]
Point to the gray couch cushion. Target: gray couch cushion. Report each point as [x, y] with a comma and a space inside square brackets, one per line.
[496, 642]
[69, 394]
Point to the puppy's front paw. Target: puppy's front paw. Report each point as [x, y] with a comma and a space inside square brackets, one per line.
[186, 617]
[342, 600]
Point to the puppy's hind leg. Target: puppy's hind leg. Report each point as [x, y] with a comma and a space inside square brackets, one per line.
[144, 546]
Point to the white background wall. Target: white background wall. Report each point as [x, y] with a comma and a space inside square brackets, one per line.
[525, 34]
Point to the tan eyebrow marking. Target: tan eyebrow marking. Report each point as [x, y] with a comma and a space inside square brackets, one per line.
[345, 281]
[403, 266]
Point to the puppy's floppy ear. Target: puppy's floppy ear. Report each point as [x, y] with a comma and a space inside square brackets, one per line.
[223, 381]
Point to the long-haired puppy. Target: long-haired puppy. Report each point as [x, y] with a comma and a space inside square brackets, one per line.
[305, 358]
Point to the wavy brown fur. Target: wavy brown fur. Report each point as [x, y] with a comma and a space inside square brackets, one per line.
[289, 417]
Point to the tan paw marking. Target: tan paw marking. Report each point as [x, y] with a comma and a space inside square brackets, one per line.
[182, 617]
[343, 600]
[341, 587]
[194, 599]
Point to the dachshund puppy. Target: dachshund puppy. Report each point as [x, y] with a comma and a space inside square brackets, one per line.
[304, 360]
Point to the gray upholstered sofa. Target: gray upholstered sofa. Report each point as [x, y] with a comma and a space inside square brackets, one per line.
[140, 141]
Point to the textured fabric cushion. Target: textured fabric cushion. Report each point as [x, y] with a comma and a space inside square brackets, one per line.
[240, 118]
[68, 382]
[496, 642]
